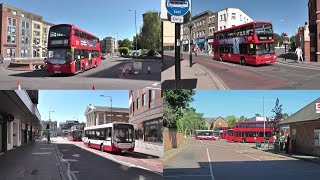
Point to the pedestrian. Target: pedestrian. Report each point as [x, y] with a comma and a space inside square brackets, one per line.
[287, 143]
[299, 54]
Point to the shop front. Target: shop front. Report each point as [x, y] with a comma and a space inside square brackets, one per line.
[153, 130]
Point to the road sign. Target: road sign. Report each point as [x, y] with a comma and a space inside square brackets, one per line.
[177, 19]
[317, 107]
[178, 7]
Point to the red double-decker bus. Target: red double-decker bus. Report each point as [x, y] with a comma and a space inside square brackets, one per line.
[221, 130]
[253, 131]
[72, 50]
[250, 43]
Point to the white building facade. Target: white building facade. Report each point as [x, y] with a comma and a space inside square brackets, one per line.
[231, 17]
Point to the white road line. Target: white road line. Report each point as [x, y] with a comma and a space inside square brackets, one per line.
[201, 141]
[248, 155]
[211, 171]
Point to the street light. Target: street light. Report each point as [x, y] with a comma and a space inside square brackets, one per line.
[135, 22]
[190, 42]
[110, 103]
[49, 115]
[288, 24]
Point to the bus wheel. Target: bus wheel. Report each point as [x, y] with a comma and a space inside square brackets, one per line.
[242, 61]
[243, 140]
[102, 148]
[83, 68]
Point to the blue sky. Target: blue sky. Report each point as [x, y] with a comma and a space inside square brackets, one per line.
[68, 104]
[248, 103]
[294, 12]
[99, 17]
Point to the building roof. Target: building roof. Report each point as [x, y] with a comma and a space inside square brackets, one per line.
[308, 113]
[212, 120]
[93, 108]
[201, 14]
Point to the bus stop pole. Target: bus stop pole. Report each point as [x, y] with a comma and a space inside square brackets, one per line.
[177, 56]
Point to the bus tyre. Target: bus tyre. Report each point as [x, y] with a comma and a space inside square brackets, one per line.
[82, 68]
[242, 61]
[102, 148]
[243, 140]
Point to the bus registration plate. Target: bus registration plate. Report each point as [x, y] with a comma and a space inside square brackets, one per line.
[57, 72]
[124, 145]
[268, 62]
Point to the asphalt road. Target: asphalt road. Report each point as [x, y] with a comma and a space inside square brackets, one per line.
[106, 76]
[272, 76]
[84, 164]
[220, 160]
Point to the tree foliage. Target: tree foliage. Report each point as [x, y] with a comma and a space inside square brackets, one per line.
[243, 119]
[125, 43]
[277, 110]
[231, 120]
[150, 35]
[175, 102]
[277, 39]
[190, 121]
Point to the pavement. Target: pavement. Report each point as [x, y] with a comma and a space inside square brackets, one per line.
[221, 160]
[106, 76]
[195, 77]
[35, 161]
[148, 148]
[175, 151]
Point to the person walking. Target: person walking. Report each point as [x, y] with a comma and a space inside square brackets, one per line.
[299, 54]
[287, 143]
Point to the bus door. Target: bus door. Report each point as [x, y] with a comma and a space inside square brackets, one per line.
[77, 58]
[90, 59]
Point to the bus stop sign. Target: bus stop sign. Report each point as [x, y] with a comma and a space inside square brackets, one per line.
[178, 7]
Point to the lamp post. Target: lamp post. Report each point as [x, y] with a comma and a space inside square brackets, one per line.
[283, 21]
[190, 42]
[48, 127]
[135, 22]
[110, 104]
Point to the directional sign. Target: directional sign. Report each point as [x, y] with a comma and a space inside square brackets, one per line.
[178, 7]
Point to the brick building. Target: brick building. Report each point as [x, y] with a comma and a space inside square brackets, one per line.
[314, 28]
[23, 34]
[303, 40]
[146, 112]
[214, 123]
[305, 129]
[97, 115]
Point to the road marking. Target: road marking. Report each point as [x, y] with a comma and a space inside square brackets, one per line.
[76, 155]
[70, 160]
[248, 155]
[201, 141]
[43, 153]
[284, 64]
[211, 171]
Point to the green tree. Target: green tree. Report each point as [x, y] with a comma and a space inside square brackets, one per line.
[277, 110]
[257, 115]
[191, 121]
[125, 43]
[150, 35]
[277, 39]
[231, 120]
[175, 101]
[285, 116]
[243, 119]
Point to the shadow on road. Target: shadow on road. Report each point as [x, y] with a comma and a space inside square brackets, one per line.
[230, 170]
[92, 166]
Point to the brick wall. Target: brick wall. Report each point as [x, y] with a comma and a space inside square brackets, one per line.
[172, 138]
[303, 140]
